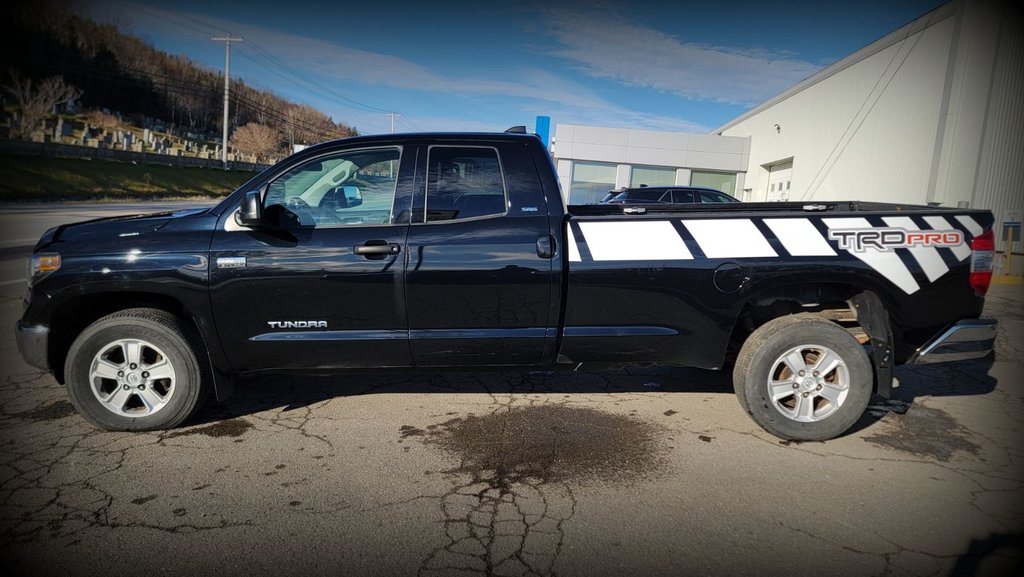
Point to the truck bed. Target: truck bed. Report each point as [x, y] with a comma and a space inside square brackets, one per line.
[677, 278]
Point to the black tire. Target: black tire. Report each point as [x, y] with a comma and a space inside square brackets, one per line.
[164, 343]
[817, 409]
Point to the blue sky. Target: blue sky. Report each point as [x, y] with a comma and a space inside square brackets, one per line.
[479, 65]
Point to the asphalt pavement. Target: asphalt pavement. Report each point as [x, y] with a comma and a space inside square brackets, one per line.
[628, 472]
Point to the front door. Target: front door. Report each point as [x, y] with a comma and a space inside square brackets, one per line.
[322, 285]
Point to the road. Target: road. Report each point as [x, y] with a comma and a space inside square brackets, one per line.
[632, 472]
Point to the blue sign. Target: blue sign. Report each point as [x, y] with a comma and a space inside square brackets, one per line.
[543, 129]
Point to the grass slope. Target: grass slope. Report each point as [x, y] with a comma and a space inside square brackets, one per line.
[36, 179]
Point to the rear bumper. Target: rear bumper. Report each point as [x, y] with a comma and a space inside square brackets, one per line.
[965, 340]
[33, 341]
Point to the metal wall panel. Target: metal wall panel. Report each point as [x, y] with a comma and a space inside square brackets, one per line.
[866, 132]
[999, 184]
[933, 112]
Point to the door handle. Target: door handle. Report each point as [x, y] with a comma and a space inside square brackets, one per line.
[377, 249]
[546, 246]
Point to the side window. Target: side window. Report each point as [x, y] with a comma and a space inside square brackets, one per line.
[707, 196]
[682, 196]
[642, 196]
[348, 188]
[464, 182]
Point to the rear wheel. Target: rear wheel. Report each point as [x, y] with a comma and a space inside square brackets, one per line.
[803, 378]
[135, 370]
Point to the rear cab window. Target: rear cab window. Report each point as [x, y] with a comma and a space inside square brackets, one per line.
[464, 182]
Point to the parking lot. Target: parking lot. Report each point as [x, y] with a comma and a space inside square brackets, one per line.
[630, 472]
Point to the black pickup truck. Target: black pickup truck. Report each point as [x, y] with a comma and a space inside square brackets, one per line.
[431, 251]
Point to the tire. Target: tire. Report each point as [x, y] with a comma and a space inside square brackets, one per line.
[822, 403]
[135, 370]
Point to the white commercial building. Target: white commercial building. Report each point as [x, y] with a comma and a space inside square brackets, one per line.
[591, 160]
[932, 113]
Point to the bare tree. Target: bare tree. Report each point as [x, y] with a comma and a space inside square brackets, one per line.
[35, 105]
[259, 140]
[307, 125]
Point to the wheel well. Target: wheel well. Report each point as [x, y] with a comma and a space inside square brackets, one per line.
[829, 301]
[72, 317]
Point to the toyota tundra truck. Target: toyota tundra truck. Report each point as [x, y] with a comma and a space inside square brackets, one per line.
[442, 251]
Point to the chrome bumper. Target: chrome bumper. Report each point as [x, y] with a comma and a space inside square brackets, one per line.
[965, 340]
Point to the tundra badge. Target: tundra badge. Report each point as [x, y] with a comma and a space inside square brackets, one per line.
[231, 262]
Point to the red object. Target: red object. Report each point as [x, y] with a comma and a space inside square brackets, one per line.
[983, 249]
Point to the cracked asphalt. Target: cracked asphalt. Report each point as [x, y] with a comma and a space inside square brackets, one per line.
[630, 472]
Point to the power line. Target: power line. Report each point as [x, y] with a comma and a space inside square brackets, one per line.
[176, 19]
[301, 80]
[166, 18]
[411, 124]
[342, 99]
[172, 85]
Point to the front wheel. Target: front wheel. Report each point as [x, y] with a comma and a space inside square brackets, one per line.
[135, 370]
[803, 378]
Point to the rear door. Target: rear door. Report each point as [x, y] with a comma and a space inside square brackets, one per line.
[324, 288]
[481, 259]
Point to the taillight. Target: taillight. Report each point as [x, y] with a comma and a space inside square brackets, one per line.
[983, 249]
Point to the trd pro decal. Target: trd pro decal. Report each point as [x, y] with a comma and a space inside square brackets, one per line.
[886, 239]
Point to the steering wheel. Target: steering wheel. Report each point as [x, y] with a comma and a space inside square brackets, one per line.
[296, 202]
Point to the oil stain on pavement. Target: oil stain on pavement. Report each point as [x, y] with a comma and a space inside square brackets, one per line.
[52, 412]
[518, 467]
[228, 428]
[925, 432]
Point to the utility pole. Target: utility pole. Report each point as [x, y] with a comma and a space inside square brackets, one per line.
[391, 163]
[227, 40]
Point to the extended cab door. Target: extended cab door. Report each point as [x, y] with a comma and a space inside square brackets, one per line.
[481, 263]
[321, 285]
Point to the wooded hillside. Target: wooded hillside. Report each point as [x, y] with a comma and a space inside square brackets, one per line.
[120, 73]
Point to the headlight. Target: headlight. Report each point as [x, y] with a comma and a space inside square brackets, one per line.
[42, 264]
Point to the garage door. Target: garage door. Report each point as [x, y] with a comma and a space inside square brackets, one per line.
[779, 182]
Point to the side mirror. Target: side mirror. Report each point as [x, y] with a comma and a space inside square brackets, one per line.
[353, 196]
[251, 212]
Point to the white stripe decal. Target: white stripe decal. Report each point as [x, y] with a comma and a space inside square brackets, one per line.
[926, 256]
[636, 240]
[732, 238]
[886, 262]
[574, 251]
[972, 226]
[960, 251]
[799, 237]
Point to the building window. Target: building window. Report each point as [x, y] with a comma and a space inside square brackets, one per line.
[591, 181]
[723, 181]
[652, 176]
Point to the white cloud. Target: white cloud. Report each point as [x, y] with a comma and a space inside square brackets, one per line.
[566, 100]
[605, 45]
[344, 69]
